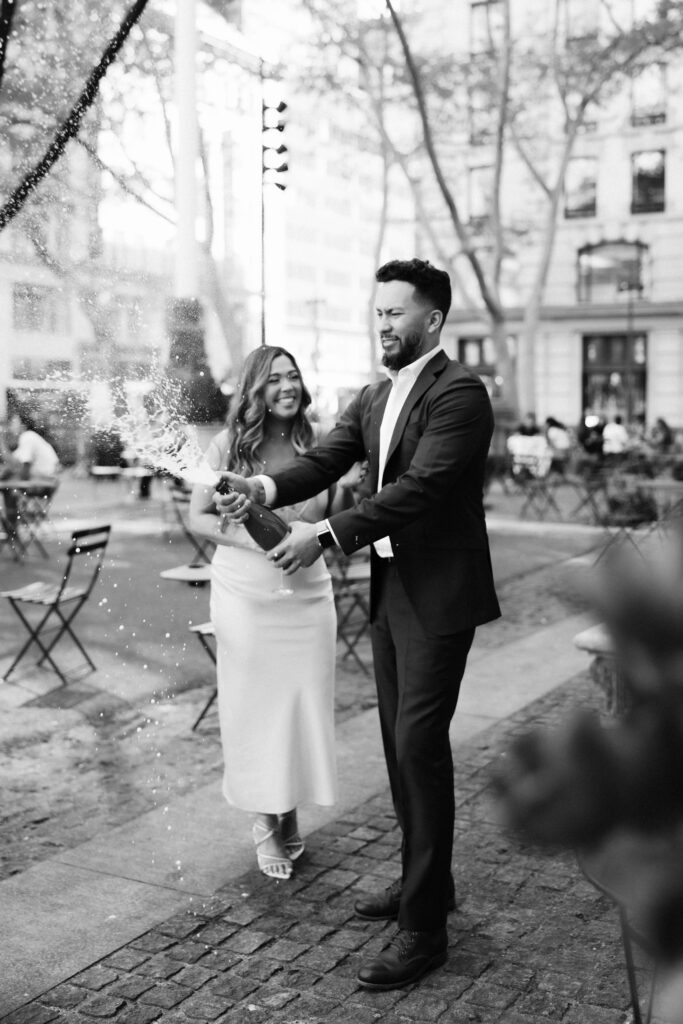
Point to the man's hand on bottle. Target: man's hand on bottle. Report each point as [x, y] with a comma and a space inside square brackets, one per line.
[299, 549]
[234, 505]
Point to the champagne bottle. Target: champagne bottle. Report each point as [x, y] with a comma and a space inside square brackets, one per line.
[262, 524]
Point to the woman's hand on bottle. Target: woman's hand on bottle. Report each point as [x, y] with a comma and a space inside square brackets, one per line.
[234, 505]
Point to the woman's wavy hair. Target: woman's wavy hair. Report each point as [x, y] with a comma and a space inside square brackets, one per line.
[248, 413]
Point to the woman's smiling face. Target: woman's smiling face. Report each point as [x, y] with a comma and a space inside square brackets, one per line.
[283, 390]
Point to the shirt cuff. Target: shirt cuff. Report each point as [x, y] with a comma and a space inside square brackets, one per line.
[269, 488]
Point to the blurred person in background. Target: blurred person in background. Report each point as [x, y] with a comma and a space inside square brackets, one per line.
[27, 456]
[615, 437]
[590, 434]
[661, 437]
[528, 427]
[29, 453]
[560, 440]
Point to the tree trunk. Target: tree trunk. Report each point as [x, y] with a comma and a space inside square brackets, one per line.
[526, 369]
[508, 405]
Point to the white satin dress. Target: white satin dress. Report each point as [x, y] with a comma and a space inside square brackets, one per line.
[276, 657]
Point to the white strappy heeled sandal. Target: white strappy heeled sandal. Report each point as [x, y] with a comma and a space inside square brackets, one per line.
[293, 843]
[271, 865]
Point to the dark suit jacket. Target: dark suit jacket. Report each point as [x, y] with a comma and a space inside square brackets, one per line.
[431, 501]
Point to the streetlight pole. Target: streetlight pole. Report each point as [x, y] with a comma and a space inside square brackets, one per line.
[185, 326]
[263, 213]
[186, 149]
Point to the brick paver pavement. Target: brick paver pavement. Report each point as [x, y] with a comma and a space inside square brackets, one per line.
[530, 942]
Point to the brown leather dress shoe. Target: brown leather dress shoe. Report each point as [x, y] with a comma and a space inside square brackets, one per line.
[408, 956]
[384, 906]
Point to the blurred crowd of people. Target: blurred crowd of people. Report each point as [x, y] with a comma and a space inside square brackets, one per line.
[598, 438]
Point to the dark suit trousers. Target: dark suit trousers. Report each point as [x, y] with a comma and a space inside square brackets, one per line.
[418, 676]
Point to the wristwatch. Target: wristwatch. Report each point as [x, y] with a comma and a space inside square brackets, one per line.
[325, 536]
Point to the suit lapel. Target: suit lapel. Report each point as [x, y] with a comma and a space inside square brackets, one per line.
[431, 371]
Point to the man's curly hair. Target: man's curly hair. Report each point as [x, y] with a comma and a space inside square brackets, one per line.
[432, 285]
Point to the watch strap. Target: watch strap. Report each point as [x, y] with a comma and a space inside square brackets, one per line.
[325, 537]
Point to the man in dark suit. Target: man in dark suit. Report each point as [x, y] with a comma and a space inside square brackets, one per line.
[425, 432]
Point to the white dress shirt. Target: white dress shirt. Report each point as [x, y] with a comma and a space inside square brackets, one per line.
[402, 383]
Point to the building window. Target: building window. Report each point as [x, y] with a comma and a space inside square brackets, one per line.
[580, 187]
[614, 374]
[481, 121]
[41, 369]
[648, 96]
[647, 174]
[486, 24]
[37, 308]
[580, 20]
[479, 355]
[611, 272]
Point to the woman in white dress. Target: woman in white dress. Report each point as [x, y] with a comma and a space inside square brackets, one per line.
[275, 649]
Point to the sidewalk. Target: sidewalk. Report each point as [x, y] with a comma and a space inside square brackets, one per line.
[166, 917]
[530, 941]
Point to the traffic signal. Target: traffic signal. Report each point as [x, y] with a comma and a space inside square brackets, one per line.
[272, 126]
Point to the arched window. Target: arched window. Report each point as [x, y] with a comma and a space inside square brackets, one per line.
[611, 271]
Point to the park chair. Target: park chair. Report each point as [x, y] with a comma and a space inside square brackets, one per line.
[591, 485]
[34, 515]
[61, 602]
[530, 463]
[351, 588]
[4, 529]
[622, 870]
[203, 549]
[204, 631]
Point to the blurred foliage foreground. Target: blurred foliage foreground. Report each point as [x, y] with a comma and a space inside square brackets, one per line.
[613, 791]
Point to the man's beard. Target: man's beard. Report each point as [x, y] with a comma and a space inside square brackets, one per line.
[410, 350]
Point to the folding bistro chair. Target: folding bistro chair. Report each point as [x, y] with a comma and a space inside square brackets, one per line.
[351, 589]
[34, 513]
[622, 872]
[203, 631]
[181, 504]
[60, 602]
[4, 529]
[531, 460]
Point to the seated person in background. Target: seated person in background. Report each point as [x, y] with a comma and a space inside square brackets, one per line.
[636, 431]
[28, 456]
[590, 434]
[528, 427]
[661, 437]
[615, 438]
[531, 455]
[560, 441]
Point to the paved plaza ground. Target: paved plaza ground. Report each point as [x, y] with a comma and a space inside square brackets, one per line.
[127, 889]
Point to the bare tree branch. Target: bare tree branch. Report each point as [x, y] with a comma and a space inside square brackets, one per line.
[527, 161]
[123, 184]
[7, 9]
[490, 299]
[501, 122]
[70, 127]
